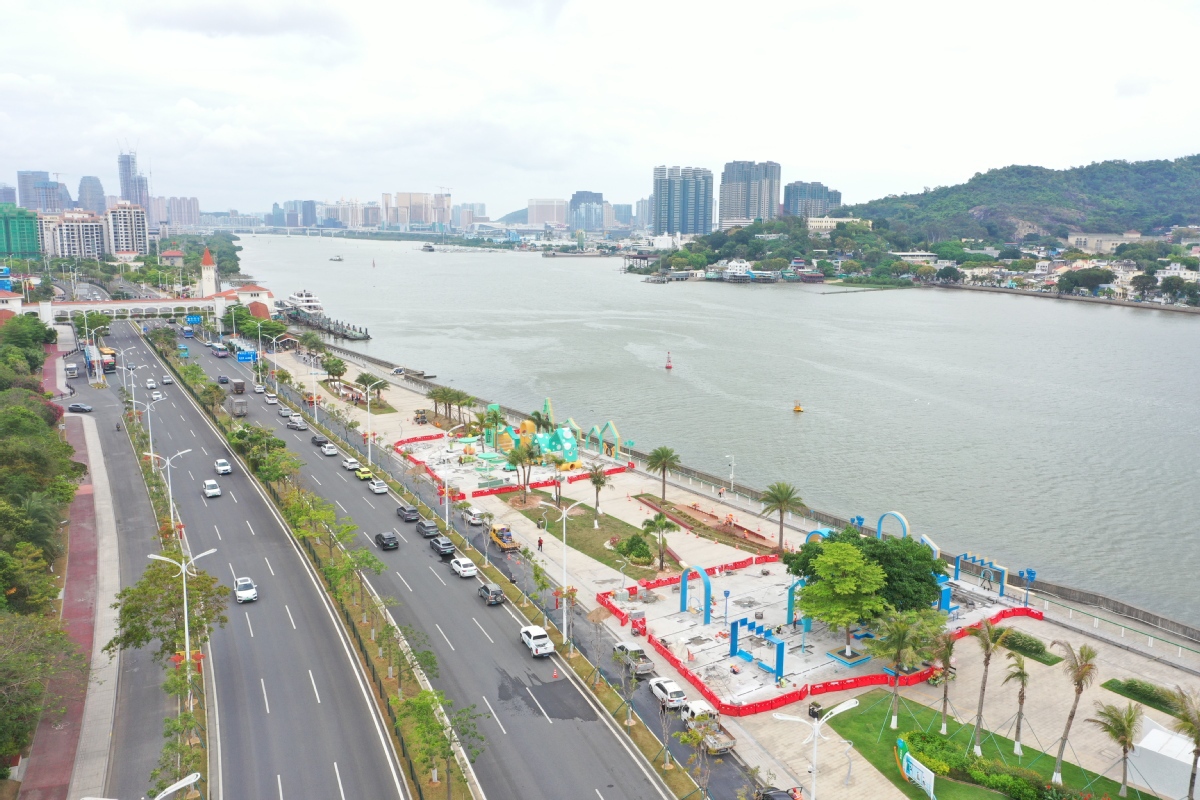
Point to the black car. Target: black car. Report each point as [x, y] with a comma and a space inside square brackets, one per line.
[222, 379]
[407, 513]
[442, 546]
[427, 528]
[492, 594]
[319, 439]
[387, 540]
[772, 793]
[79, 408]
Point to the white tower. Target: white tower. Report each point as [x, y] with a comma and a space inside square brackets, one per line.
[208, 275]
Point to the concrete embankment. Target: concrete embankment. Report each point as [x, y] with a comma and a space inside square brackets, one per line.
[1104, 301]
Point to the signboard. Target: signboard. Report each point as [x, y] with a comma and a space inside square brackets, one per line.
[915, 771]
[247, 355]
[194, 319]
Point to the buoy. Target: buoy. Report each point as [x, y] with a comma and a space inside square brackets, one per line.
[669, 359]
[555, 675]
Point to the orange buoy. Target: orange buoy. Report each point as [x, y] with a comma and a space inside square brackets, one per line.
[669, 360]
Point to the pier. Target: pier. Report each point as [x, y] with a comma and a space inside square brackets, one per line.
[323, 323]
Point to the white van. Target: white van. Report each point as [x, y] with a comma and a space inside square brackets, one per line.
[270, 398]
[472, 516]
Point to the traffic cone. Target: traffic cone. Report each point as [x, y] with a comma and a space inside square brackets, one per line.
[555, 675]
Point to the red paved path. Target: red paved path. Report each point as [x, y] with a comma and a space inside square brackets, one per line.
[52, 757]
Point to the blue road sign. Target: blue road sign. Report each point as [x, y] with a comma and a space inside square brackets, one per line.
[247, 355]
[194, 319]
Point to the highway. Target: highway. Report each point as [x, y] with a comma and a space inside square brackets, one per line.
[293, 713]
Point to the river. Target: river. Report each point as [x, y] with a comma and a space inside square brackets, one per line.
[1053, 435]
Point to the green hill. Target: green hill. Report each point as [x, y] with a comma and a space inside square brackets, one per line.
[1012, 202]
[518, 217]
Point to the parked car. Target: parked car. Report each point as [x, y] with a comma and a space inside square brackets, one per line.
[377, 486]
[442, 546]
[387, 540]
[222, 379]
[328, 449]
[318, 439]
[492, 594]
[297, 423]
[771, 793]
[363, 474]
[244, 590]
[211, 489]
[472, 516]
[351, 463]
[270, 398]
[668, 692]
[167, 380]
[79, 408]
[284, 411]
[427, 528]
[535, 638]
[223, 467]
[464, 567]
[407, 512]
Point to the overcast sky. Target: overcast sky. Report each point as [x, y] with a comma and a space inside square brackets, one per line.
[246, 103]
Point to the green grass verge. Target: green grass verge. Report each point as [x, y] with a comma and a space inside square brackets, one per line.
[1138, 692]
[863, 725]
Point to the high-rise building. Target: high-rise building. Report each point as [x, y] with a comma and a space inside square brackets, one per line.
[749, 192]
[370, 215]
[127, 173]
[277, 218]
[73, 234]
[126, 230]
[623, 213]
[183, 212]
[441, 209]
[643, 214]
[110, 200]
[18, 231]
[546, 212]
[417, 208]
[48, 197]
[91, 195]
[157, 212]
[814, 199]
[586, 211]
[292, 219]
[27, 179]
[682, 200]
[8, 194]
[308, 213]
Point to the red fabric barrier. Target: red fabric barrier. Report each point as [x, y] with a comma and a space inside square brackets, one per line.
[582, 476]
[410, 440]
[495, 490]
[605, 599]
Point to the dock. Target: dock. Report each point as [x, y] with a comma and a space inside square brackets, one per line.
[331, 326]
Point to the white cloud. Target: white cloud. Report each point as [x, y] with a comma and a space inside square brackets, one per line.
[243, 105]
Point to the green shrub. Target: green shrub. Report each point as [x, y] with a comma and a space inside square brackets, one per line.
[1023, 643]
[634, 548]
[1153, 695]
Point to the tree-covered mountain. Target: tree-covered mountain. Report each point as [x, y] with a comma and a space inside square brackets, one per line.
[1015, 201]
[518, 217]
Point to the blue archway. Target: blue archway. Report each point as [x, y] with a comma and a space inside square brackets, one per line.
[791, 615]
[683, 583]
[817, 533]
[899, 517]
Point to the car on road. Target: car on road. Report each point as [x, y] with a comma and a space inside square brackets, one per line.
[284, 411]
[363, 474]
[464, 567]
[351, 463]
[212, 489]
[259, 388]
[387, 540]
[156, 396]
[297, 423]
[328, 449]
[668, 692]
[771, 793]
[222, 379]
[79, 408]
[472, 516]
[244, 590]
[318, 439]
[408, 513]
[442, 546]
[270, 398]
[150, 384]
[535, 638]
[167, 380]
[492, 594]
[377, 486]
[223, 467]
[427, 528]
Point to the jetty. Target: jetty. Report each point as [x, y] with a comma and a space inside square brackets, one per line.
[324, 323]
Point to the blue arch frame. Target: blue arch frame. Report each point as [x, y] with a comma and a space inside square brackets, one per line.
[683, 583]
[821, 533]
[791, 615]
[899, 517]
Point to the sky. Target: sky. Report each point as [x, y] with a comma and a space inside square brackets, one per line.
[244, 104]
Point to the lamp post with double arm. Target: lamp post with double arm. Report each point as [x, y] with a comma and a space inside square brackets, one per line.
[185, 564]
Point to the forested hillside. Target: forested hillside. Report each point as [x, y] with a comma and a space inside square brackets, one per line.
[1009, 203]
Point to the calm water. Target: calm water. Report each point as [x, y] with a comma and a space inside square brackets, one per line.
[1052, 435]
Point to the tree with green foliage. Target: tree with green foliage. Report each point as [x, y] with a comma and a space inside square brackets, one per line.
[371, 383]
[1121, 724]
[599, 480]
[312, 342]
[212, 396]
[658, 526]
[1186, 722]
[1017, 674]
[663, 460]
[1081, 669]
[522, 458]
[34, 651]
[495, 420]
[541, 422]
[437, 729]
[904, 639]
[1143, 284]
[942, 651]
[844, 589]
[1090, 279]
[334, 367]
[26, 586]
[782, 499]
[949, 274]
[911, 571]
[990, 638]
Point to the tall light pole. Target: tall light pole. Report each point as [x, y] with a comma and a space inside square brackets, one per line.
[445, 484]
[732, 465]
[149, 418]
[124, 365]
[818, 721]
[184, 565]
[369, 387]
[563, 519]
[170, 493]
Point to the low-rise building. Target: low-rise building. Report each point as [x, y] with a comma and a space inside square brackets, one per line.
[827, 224]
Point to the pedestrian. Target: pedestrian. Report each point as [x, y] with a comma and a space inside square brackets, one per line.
[721, 493]
[539, 544]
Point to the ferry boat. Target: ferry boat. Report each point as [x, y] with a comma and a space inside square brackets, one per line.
[305, 301]
[427, 248]
[337, 258]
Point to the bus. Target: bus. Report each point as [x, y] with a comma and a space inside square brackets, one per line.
[220, 351]
[108, 359]
[183, 351]
[188, 332]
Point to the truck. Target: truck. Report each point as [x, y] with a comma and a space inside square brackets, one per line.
[502, 536]
[700, 715]
[634, 657]
[72, 370]
[237, 406]
[239, 386]
[108, 359]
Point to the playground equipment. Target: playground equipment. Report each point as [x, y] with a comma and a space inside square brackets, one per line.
[683, 590]
[764, 632]
[611, 449]
[817, 533]
[560, 442]
[987, 572]
[503, 537]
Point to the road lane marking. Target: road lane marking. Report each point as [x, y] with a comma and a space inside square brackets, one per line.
[341, 791]
[342, 507]
[314, 480]
[234, 498]
[204, 451]
[401, 535]
[368, 537]
[439, 577]
[248, 625]
[485, 633]
[298, 439]
[511, 614]
[343, 477]
[182, 418]
[401, 577]
[173, 406]
[231, 572]
[205, 500]
[599, 795]
[443, 633]
[279, 783]
[194, 436]
[285, 608]
[190, 475]
[268, 702]
[251, 527]
[269, 567]
[218, 530]
[535, 700]
[314, 685]
[489, 705]
[368, 502]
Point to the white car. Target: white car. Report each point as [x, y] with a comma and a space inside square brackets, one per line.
[377, 486]
[328, 449]
[211, 489]
[537, 640]
[668, 692]
[271, 399]
[259, 388]
[156, 396]
[464, 567]
[150, 384]
[472, 516]
[223, 467]
[244, 590]
[351, 464]
[167, 380]
[285, 412]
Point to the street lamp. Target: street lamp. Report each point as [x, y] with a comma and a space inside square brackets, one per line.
[370, 387]
[274, 350]
[175, 787]
[184, 565]
[563, 519]
[170, 495]
[125, 366]
[149, 418]
[814, 711]
[732, 465]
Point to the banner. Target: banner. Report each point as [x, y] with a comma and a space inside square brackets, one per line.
[920, 775]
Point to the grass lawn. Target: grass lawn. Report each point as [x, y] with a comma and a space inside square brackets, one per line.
[589, 540]
[863, 725]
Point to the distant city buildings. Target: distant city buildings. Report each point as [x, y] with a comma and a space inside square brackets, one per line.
[8, 194]
[643, 214]
[823, 225]
[749, 192]
[127, 232]
[51, 197]
[623, 214]
[18, 231]
[308, 213]
[183, 212]
[27, 179]
[546, 212]
[134, 187]
[72, 234]
[585, 212]
[683, 199]
[802, 199]
[91, 195]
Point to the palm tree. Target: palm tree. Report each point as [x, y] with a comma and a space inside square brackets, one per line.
[1187, 722]
[541, 422]
[1020, 676]
[522, 459]
[663, 459]
[334, 367]
[658, 525]
[495, 420]
[781, 498]
[904, 639]
[1081, 668]
[438, 396]
[311, 341]
[1122, 726]
[598, 480]
[990, 638]
[477, 424]
[371, 383]
[943, 653]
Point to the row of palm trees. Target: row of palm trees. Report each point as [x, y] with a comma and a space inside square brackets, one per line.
[906, 639]
[450, 399]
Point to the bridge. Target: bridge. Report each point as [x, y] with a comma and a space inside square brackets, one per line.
[51, 312]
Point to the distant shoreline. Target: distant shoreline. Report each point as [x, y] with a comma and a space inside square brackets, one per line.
[1108, 301]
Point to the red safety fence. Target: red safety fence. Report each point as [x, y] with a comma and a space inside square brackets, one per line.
[495, 490]
[412, 439]
[582, 476]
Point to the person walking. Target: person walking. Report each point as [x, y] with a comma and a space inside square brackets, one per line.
[539, 544]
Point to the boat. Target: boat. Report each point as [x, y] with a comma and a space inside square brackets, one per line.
[799, 409]
[669, 360]
[427, 248]
[305, 300]
[337, 258]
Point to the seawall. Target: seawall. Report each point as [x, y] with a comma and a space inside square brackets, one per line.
[1104, 301]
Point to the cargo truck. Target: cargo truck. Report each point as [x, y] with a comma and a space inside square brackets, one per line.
[634, 657]
[237, 406]
[699, 715]
[239, 386]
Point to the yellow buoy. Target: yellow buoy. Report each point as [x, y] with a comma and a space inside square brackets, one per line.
[798, 408]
